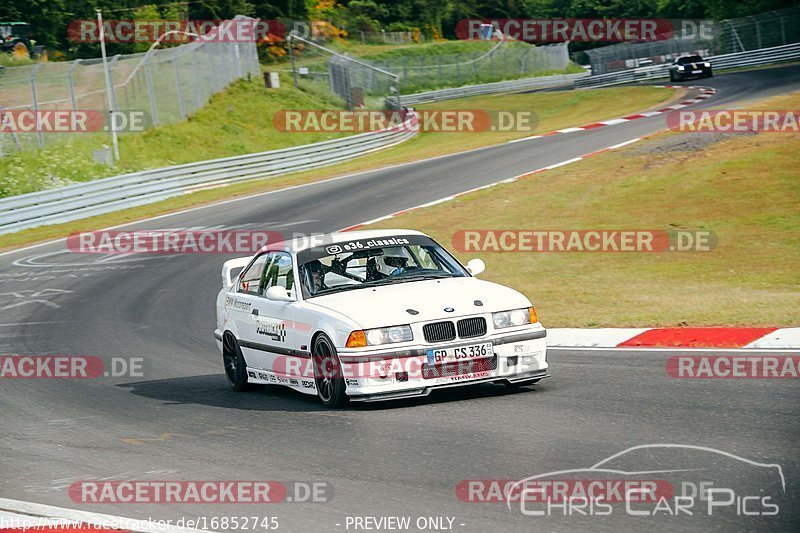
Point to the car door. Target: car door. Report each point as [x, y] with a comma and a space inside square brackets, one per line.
[270, 334]
[242, 307]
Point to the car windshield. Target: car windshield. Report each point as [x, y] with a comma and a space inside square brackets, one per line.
[690, 59]
[372, 262]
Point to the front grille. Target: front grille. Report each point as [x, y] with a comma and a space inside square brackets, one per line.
[459, 368]
[471, 327]
[439, 331]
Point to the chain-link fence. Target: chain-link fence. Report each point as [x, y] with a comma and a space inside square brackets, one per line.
[341, 80]
[705, 38]
[167, 85]
[506, 60]
[357, 82]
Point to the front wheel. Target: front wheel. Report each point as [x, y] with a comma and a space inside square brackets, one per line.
[235, 366]
[328, 373]
[672, 76]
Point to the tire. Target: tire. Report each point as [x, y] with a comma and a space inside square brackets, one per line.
[710, 74]
[234, 364]
[672, 76]
[327, 373]
[525, 383]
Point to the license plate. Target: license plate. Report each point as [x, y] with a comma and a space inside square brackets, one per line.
[459, 353]
[696, 71]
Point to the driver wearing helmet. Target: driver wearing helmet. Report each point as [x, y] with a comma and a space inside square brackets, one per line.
[396, 263]
[315, 276]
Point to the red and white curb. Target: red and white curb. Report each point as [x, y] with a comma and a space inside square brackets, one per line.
[706, 92]
[748, 338]
[18, 516]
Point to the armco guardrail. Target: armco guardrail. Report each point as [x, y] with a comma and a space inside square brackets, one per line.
[764, 56]
[129, 190]
[491, 88]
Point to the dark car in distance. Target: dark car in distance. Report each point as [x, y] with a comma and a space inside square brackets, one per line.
[690, 67]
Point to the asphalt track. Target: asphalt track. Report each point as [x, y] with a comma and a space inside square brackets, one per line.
[403, 458]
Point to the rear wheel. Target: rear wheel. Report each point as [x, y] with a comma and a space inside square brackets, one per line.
[327, 373]
[235, 366]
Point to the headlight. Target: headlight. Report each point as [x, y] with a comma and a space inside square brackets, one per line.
[378, 336]
[515, 317]
[681, 68]
[707, 64]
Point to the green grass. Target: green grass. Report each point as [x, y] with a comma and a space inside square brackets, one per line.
[743, 189]
[556, 109]
[429, 50]
[9, 60]
[236, 121]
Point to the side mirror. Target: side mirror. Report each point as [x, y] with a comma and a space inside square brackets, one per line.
[476, 266]
[278, 294]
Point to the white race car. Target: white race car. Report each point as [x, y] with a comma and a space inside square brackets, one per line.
[372, 315]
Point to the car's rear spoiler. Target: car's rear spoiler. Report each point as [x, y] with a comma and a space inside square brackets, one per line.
[230, 266]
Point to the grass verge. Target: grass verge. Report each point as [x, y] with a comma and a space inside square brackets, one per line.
[555, 109]
[742, 188]
[236, 121]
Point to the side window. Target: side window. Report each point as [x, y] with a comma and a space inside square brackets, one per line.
[425, 258]
[279, 272]
[250, 280]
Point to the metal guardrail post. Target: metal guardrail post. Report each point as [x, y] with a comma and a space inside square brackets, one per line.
[198, 102]
[71, 82]
[35, 100]
[178, 89]
[237, 54]
[151, 95]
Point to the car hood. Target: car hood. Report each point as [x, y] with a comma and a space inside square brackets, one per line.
[386, 305]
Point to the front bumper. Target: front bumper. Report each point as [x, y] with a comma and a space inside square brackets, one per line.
[384, 375]
[701, 72]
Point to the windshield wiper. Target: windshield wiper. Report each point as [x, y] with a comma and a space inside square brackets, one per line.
[402, 279]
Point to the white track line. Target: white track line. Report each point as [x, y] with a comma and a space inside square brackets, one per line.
[707, 93]
[685, 349]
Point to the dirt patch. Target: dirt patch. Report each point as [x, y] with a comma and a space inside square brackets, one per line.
[687, 142]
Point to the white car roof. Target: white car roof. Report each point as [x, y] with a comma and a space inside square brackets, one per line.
[311, 241]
